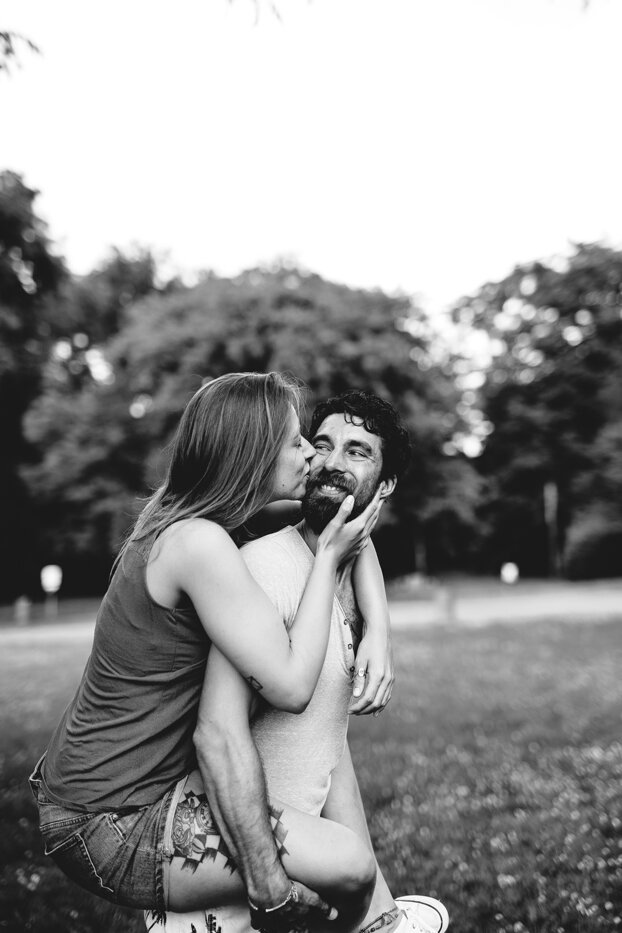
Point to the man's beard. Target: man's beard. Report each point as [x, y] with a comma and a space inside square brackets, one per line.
[318, 509]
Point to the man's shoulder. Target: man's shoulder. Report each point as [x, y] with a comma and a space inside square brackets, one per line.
[278, 556]
[285, 540]
[281, 563]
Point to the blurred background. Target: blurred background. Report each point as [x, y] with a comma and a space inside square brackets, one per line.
[420, 199]
[417, 197]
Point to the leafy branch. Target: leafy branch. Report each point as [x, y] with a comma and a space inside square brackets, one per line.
[10, 43]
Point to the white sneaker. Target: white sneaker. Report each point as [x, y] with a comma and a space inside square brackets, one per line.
[424, 914]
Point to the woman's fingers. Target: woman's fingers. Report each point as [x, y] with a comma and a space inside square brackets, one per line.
[374, 692]
[350, 537]
[358, 685]
[344, 510]
[367, 519]
[380, 696]
[367, 702]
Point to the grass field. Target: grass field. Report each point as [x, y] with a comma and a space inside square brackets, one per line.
[492, 780]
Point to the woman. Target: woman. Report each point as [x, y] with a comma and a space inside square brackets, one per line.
[106, 783]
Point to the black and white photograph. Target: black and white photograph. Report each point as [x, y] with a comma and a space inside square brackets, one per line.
[310, 466]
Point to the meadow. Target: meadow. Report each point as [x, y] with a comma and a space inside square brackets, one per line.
[492, 780]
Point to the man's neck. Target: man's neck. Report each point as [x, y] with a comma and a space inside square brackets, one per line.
[308, 535]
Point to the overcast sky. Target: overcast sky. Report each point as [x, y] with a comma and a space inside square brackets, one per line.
[422, 145]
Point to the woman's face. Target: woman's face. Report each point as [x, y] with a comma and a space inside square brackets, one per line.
[292, 468]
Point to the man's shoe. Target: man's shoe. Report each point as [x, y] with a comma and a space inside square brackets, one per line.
[424, 914]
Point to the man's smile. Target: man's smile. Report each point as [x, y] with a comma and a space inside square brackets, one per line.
[328, 489]
[332, 486]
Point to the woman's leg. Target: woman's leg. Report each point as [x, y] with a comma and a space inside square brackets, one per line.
[345, 806]
[325, 856]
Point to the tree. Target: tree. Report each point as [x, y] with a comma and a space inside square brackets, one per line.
[30, 274]
[89, 311]
[108, 438]
[10, 43]
[552, 390]
[83, 427]
[51, 326]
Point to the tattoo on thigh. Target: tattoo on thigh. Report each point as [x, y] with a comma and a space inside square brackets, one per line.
[155, 918]
[278, 829]
[195, 834]
[254, 683]
[212, 925]
[384, 920]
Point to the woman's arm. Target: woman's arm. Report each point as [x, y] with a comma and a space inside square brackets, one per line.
[240, 619]
[372, 689]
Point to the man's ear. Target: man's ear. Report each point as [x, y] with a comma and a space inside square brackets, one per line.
[387, 486]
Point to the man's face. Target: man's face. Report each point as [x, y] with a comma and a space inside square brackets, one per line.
[348, 460]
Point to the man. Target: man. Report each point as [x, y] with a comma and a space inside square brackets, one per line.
[360, 448]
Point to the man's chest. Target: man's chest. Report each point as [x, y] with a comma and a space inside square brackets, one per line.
[347, 600]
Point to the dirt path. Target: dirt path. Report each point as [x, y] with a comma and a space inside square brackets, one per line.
[472, 607]
[470, 604]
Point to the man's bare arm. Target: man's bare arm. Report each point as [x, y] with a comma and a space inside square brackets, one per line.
[234, 781]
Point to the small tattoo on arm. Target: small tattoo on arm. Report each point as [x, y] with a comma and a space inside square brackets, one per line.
[254, 683]
[278, 829]
[384, 920]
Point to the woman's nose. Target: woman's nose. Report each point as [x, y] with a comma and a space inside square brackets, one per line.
[308, 449]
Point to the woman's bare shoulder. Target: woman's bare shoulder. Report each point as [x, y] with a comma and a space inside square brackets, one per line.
[189, 556]
[195, 536]
[191, 553]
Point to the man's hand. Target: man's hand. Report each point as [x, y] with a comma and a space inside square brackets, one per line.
[374, 676]
[297, 915]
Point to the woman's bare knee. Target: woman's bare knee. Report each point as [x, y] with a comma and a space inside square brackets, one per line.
[357, 871]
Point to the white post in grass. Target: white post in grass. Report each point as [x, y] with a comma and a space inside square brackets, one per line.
[51, 579]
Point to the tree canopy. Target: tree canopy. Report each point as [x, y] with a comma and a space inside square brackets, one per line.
[95, 371]
[30, 275]
[101, 445]
[553, 397]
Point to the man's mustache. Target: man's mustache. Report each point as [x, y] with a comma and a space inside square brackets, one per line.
[326, 478]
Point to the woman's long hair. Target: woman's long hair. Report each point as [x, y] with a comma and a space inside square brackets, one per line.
[224, 454]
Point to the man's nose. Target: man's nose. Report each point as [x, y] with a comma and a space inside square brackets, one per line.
[334, 461]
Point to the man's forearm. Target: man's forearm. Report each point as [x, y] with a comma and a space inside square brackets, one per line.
[233, 778]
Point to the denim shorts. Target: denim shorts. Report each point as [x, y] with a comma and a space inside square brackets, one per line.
[120, 856]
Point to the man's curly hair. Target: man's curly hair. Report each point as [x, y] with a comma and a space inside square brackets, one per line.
[378, 417]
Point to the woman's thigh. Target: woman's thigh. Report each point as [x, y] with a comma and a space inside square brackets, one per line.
[112, 854]
[323, 855]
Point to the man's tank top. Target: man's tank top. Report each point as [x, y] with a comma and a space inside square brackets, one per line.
[126, 737]
[300, 751]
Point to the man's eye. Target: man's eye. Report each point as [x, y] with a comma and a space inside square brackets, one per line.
[321, 448]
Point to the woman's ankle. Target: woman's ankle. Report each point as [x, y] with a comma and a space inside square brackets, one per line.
[386, 922]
